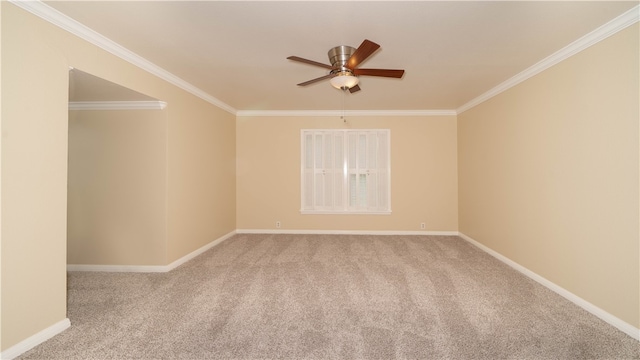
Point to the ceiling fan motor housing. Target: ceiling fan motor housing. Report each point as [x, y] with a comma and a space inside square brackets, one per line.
[338, 57]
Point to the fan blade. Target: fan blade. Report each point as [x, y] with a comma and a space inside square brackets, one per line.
[317, 79]
[379, 72]
[310, 62]
[354, 89]
[362, 52]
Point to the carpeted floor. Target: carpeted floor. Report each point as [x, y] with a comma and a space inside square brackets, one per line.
[329, 297]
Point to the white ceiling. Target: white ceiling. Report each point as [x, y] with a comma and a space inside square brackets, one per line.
[235, 51]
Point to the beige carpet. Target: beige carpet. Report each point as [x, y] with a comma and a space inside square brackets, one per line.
[329, 297]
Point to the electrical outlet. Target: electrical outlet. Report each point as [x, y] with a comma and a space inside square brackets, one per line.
[423, 226]
[278, 224]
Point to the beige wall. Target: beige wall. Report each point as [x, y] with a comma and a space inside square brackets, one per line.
[36, 57]
[549, 174]
[117, 186]
[34, 167]
[201, 175]
[423, 174]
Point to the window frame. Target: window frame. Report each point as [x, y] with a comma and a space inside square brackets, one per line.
[381, 172]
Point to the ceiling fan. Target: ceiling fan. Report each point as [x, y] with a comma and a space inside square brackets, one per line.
[344, 70]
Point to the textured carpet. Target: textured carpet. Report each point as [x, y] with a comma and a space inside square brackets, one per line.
[329, 297]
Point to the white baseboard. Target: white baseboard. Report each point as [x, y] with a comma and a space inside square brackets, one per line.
[35, 340]
[117, 268]
[199, 251]
[344, 232]
[150, 268]
[593, 309]
[184, 259]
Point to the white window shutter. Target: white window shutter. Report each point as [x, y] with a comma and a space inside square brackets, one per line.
[338, 174]
[327, 171]
[383, 187]
[307, 172]
[345, 171]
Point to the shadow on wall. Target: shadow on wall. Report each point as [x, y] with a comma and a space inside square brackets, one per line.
[116, 174]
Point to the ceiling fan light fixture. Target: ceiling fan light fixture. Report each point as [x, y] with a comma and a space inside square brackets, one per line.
[344, 80]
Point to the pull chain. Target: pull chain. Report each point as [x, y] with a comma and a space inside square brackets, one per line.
[344, 96]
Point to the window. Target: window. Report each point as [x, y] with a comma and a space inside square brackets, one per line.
[345, 171]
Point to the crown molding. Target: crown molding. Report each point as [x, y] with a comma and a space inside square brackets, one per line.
[57, 18]
[47, 13]
[117, 105]
[346, 113]
[619, 23]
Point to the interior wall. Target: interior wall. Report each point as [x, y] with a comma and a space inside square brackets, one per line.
[423, 174]
[116, 211]
[34, 184]
[201, 175]
[549, 174]
[36, 57]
